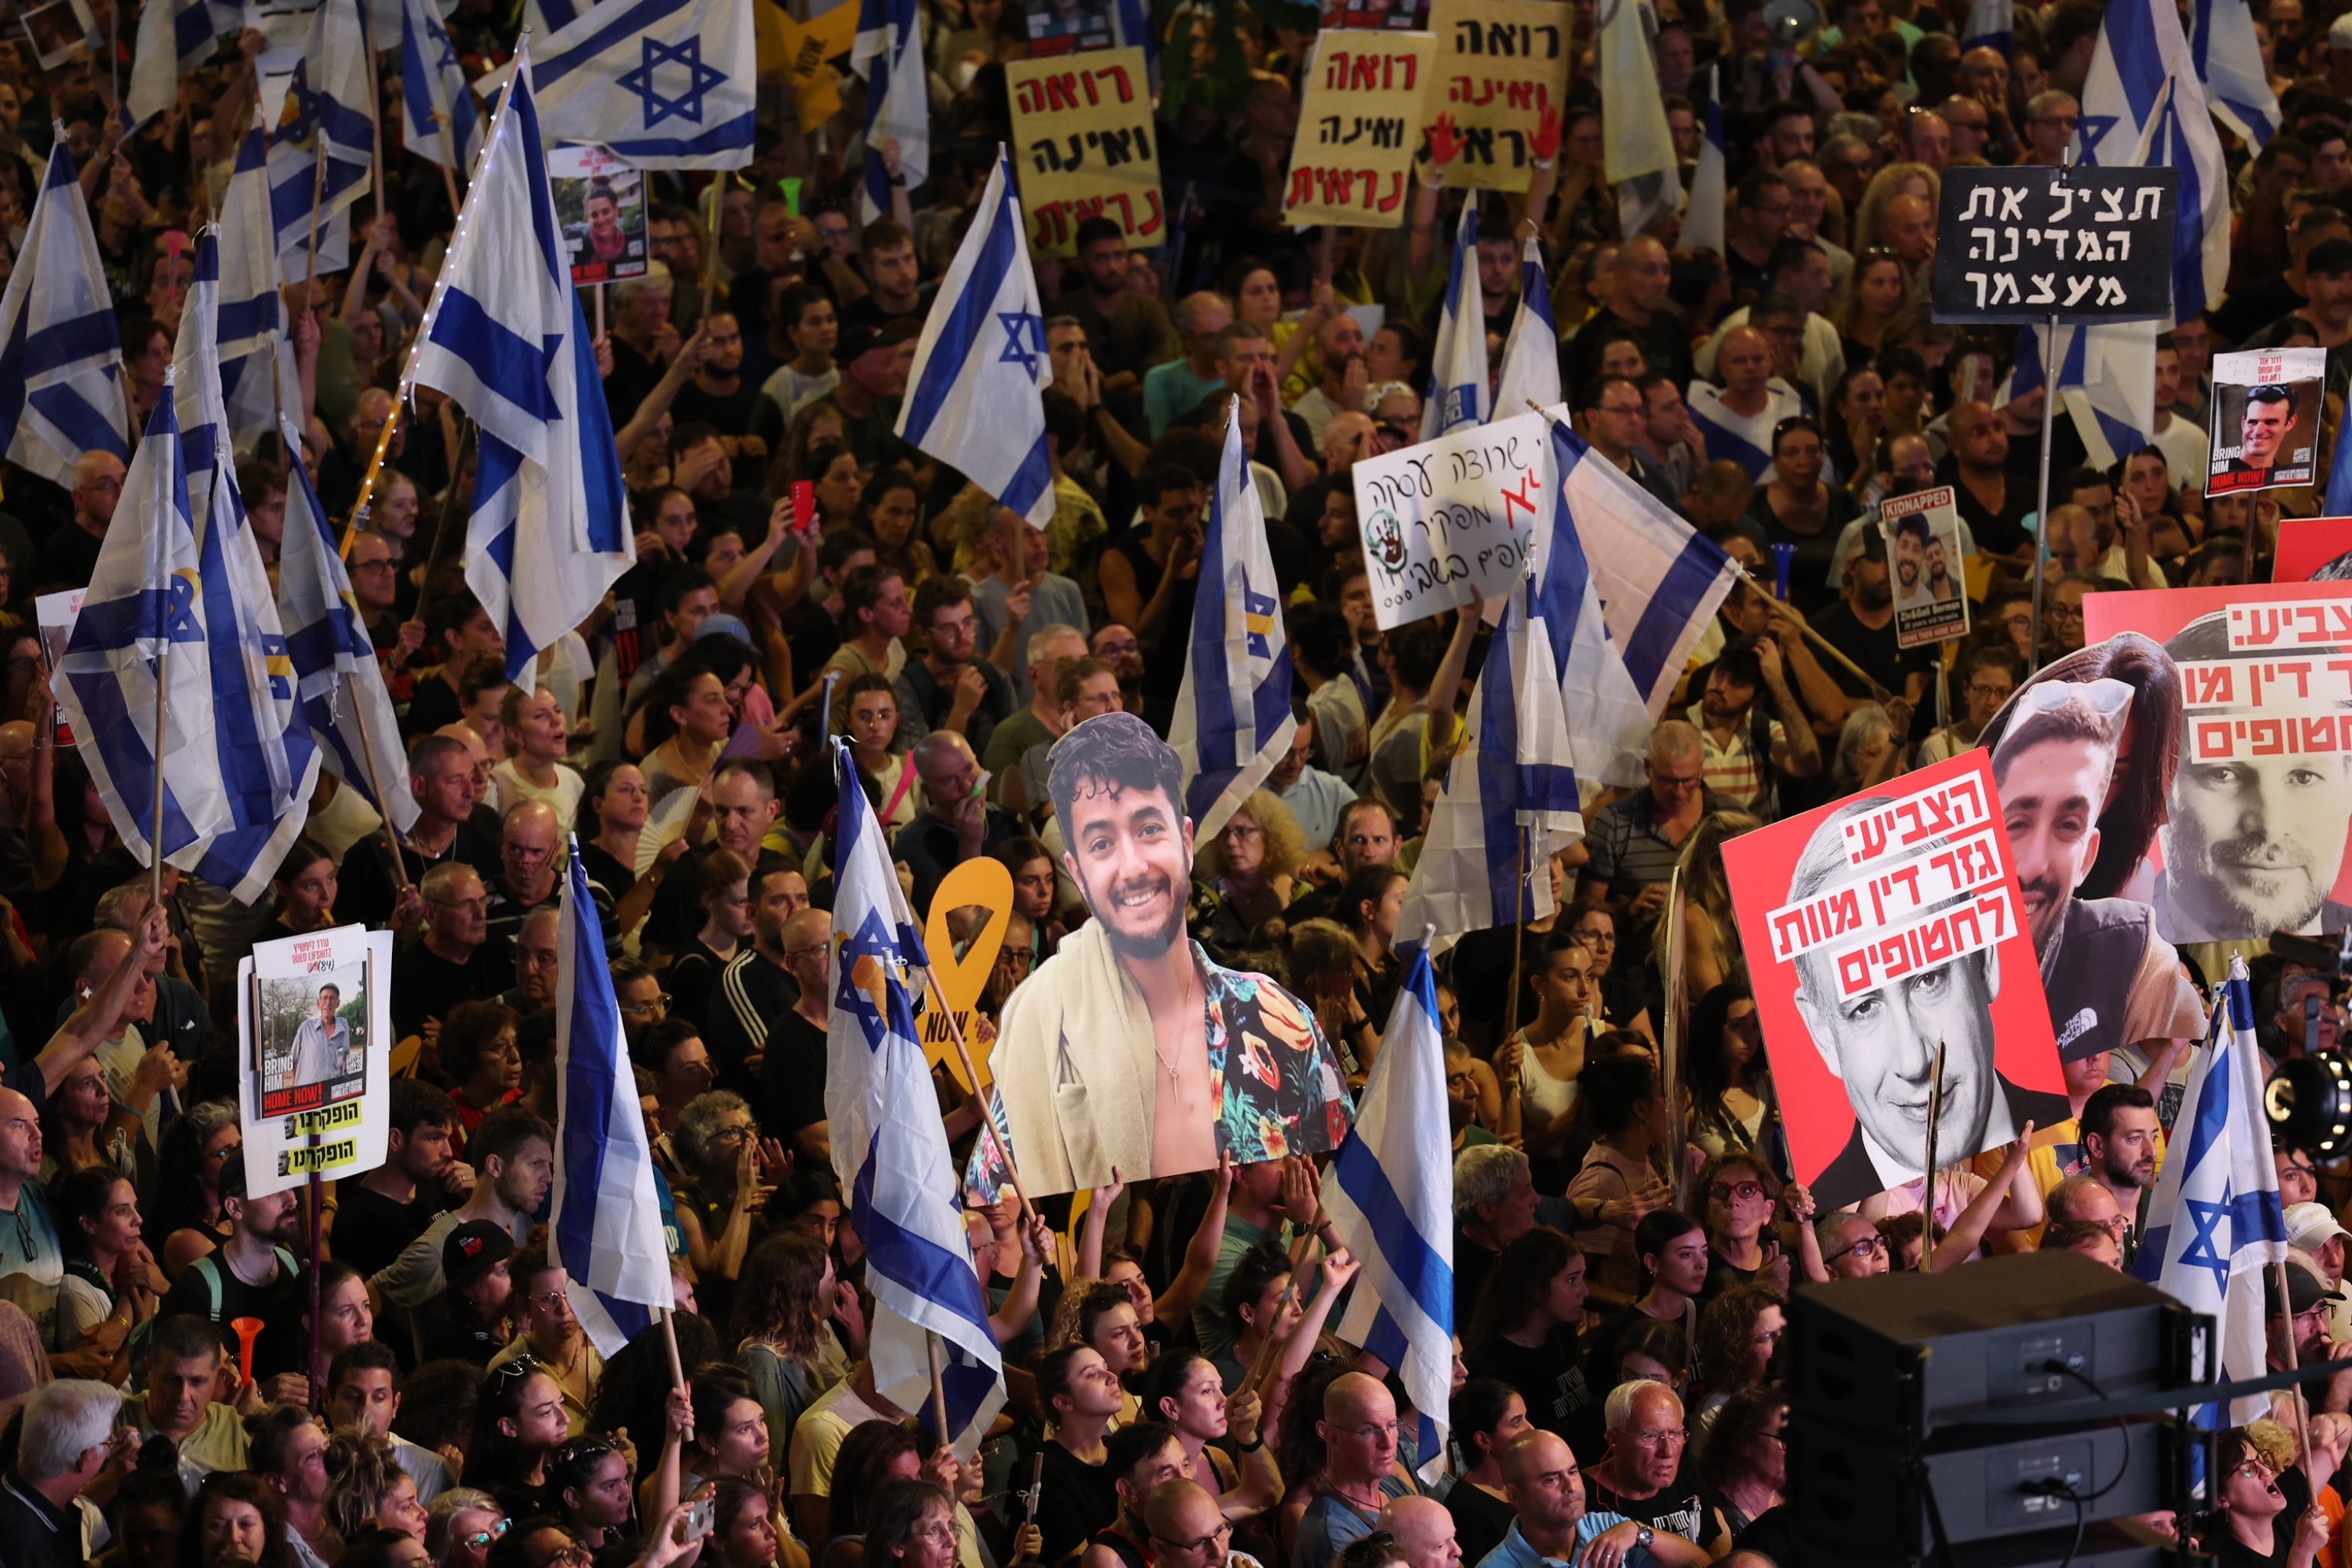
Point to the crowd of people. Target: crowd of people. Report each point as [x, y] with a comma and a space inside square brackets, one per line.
[1626, 1247]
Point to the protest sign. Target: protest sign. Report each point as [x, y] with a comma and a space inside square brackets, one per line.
[2313, 549]
[314, 1035]
[1447, 523]
[1876, 928]
[1065, 27]
[2266, 421]
[1084, 146]
[55, 31]
[1353, 162]
[601, 201]
[1083, 1071]
[1923, 544]
[812, 50]
[1500, 64]
[980, 886]
[54, 614]
[2254, 691]
[1389, 15]
[2032, 243]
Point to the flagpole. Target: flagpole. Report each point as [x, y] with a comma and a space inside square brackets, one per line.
[156, 822]
[971, 1075]
[1928, 1188]
[1263, 1365]
[317, 200]
[939, 1388]
[2286, 1333]
[375, 777]
[1670, 1052]
[2049, 426]
[1518, 935]
[677, 1368]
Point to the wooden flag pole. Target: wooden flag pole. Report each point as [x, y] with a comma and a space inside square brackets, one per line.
[677, 1369]
[980, 1092]
[163, 717]
[1928, 1190]
[939, 1388]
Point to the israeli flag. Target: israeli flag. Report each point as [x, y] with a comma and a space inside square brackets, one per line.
[504, 336]
[2106, 383]
[175, 36]
[2229, 64]
[1609, 718]
[1233, 721]
[889, 55]
[259, 379]
[2217, 1226]
[1458, 395]
[2144, 106]
[606, 1215]
[1990, 25]
[331, 105]
[336, 675]
[146, 599]
[1531, 353]
[267, 759]
[1659, 580]
[61, 391]
[975, 396]
[1638, 146]
[1391, 1193]
[665, 84]
[1510, 800]
[1703, 214]
[888, 1148]
[1743, 439]
[440, 120]
[545, 16]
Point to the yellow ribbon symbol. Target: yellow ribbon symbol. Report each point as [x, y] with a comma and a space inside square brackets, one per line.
[984, 884]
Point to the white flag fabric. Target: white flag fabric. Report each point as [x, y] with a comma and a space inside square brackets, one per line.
[1703, 214]
[503, 335]
[60, 357]
[145, 597]
[1510, 800]
[1991, 25]
[2106, 383]
[888, 54]
[336, 675]
[258, 378]
[331, 103]
[1531, 353]
[175, 36]
[1658, 579]
[2216, 1225]
[1638, 146]
[268, 761]
[1742, 438]
[975, 395]
[888, 1148]
[665, 84]
[440, 120]
[1458, 395]
[2229, 63]
[1390, 1195]
[606, 1215]
[1608, 714]
[2144, 106]
[1232, 722]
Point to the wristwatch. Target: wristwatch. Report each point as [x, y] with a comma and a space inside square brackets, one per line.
[1645, 1538]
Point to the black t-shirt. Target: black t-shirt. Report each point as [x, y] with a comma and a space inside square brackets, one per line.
[1550, 1378]
[793, 1074]
[446, 1328]
[1875, 650]
[1808, 573]
[430, 984]
[1480, 1521]
[434, 704]
[729, 413]
[1076, 1499]
[371, 1229]
[1996, 533]
[1679, 1508]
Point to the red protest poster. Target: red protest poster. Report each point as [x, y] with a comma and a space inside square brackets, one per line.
[1875, 928]
[2308, 544]
[2247, 701]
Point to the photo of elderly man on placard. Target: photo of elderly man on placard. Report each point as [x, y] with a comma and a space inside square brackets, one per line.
[1130, 1047]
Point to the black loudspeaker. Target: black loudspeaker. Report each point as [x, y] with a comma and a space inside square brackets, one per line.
[1904, 1445]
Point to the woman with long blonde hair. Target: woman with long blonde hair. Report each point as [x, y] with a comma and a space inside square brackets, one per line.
[1893, 181]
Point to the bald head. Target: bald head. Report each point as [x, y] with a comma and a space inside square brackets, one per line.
[1530, 1453]
[1181, 1511]
[1424, 1528]
[1354, 1398]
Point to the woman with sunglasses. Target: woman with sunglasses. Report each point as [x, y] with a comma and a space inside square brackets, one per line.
[462, 1526]
[518, 1420]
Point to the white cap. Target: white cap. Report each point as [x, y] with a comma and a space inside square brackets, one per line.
[2339, 33]
[2310, 1227]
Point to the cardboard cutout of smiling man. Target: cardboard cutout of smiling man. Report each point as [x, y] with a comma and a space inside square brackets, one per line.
[1129, 1047]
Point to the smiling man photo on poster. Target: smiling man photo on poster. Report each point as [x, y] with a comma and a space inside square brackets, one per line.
[1130, 1047]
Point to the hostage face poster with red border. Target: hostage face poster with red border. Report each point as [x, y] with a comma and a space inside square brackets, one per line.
[2257, 702]
[1875, 927]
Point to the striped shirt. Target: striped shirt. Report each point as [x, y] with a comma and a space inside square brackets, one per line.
[1734, 772]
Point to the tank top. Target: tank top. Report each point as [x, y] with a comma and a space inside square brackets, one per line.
[1540, 1091]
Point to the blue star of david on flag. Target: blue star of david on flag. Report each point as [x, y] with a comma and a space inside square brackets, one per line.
[2206, 1249]
[687, 104]
[1024, 338]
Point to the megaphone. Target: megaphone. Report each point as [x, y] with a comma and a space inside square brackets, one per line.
[1791, 22]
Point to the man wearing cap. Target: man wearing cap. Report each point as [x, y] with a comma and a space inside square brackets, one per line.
[874, 362]
[2316, 1233]
[2309, 1303]
[467, 1318]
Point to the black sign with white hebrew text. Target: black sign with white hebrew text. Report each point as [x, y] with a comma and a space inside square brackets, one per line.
[2080, 245]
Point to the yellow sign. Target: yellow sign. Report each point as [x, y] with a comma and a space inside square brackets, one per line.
[1084, 146]
[1500, 64]
[1352, 163]
[984, 883]
[804, 52]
